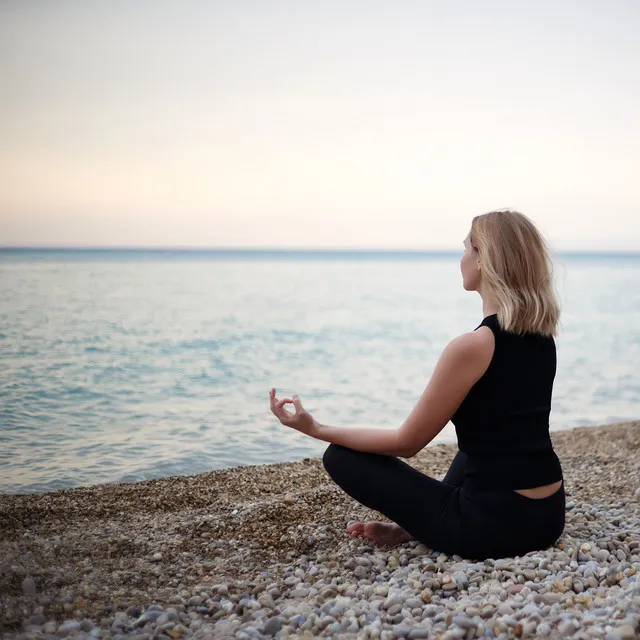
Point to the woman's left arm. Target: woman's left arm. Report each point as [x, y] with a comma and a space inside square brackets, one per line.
[369, 439]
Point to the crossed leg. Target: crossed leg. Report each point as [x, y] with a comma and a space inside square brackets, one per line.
[415, 502]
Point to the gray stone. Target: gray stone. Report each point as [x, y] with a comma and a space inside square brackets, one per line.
[392, 600]
[360, 572]
[29, 586]
[413, 603]
[87, 625]
[50, 627]
[116, 626]
[272, 626]
[417, 634]
[461, 578]
[68, 626]
[148, 616]
[37, 620]
[530, 610]
[464, 622]
[567, 628]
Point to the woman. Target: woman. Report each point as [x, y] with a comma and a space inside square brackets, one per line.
[504, 492]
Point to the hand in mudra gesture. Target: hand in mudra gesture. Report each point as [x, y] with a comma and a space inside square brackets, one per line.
[301, 420]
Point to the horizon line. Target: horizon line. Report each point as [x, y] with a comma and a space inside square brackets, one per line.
[272, 249]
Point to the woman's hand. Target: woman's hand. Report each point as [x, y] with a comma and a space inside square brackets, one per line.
[301, 420]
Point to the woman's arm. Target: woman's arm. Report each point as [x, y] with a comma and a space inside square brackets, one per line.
[369, 439]
[461, 365]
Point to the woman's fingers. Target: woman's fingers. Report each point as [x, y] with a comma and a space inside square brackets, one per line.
[279, 409]
[277, 406]
[273, 401]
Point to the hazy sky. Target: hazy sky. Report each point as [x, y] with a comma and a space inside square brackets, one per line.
[317, 124]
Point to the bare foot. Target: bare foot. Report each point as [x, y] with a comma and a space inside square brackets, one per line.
[383, 534]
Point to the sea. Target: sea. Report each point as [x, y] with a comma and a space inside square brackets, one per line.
[125, 365]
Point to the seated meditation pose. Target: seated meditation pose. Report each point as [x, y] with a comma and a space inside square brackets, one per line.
[503, 494]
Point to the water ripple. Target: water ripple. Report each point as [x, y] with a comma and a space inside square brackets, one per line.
[121, 371]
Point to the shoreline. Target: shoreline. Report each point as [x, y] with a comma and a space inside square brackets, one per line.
[450, 440]
[92, 553]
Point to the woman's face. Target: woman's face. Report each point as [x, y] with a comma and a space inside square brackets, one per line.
[470, 267]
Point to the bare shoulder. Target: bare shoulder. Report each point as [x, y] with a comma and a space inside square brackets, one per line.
[474, 346]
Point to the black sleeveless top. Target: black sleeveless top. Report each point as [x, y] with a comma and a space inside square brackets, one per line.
[503, 422]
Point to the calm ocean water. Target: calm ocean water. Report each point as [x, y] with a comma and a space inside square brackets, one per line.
[120, 366]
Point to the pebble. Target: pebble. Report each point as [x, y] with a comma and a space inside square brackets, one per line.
[29, 586]
[584, 586]
[68, 626]
[627, 632]
[272, 626]
[415, 634]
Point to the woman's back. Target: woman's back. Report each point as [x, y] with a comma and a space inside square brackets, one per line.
[503, 423]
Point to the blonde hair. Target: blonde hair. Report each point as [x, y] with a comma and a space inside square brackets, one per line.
[516, 271]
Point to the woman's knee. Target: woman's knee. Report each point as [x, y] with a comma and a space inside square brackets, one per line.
[334, 457]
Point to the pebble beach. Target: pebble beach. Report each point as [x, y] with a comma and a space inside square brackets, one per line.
[262, 551]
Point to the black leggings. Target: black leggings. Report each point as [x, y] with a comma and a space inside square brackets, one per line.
[446, 515]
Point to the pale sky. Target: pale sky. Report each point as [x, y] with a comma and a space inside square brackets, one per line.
[317, 124]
